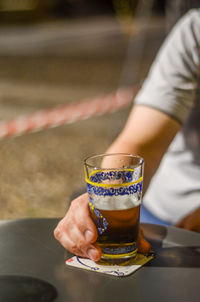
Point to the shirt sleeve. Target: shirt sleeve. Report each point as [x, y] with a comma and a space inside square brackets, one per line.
[173, 80]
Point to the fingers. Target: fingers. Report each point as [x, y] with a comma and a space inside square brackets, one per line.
[190, 222]
[77, 232]
[144, 247]
[181, 223]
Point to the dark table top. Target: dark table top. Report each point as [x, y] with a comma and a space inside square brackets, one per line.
[28, 248]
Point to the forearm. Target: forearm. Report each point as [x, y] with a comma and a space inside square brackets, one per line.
[122, 145]
[147, 133]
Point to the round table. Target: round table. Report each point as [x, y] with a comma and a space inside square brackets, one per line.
[28, 249]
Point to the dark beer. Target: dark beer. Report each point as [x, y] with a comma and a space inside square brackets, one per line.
[118, 238]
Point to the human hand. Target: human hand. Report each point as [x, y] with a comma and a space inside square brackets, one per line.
[78, 234]
[190, 222]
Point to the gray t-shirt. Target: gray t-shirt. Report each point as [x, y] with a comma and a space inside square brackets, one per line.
[173, 87]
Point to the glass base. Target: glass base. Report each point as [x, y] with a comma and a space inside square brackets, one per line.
[118, 253]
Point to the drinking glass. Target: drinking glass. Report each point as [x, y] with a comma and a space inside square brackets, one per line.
[114, 185]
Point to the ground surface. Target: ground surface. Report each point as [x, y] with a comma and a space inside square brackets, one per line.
[50, 64]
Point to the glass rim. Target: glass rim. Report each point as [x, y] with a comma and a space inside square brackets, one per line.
[112, 154]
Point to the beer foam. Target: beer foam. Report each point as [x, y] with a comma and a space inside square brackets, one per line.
[116, 202]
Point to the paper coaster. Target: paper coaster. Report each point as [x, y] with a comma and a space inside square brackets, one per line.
[121, 270]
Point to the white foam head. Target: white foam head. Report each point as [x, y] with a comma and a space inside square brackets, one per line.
[116, 202]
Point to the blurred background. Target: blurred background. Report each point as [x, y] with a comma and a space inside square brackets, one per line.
[58, 52]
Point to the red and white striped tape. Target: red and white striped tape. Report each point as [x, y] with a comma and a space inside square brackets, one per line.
[67, 114]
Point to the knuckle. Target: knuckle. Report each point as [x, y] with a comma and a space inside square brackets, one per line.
[81, 244]
[57, 233]
[74, 204]
[74, 249]
[82, 223]
[62, 228]
[66, 222]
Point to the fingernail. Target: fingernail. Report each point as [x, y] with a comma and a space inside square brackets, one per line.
[92, 254]
[88, 235]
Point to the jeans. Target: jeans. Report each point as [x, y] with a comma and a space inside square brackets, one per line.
[148, 217]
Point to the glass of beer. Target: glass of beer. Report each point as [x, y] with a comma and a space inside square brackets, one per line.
[114, 185]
